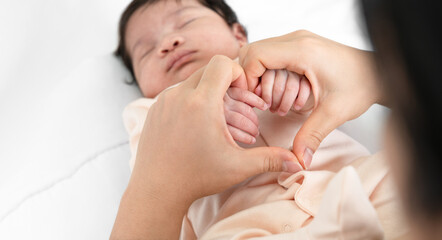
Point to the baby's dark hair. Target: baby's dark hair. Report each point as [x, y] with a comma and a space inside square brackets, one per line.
[218, 6]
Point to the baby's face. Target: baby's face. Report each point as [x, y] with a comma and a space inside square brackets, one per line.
[169, 40]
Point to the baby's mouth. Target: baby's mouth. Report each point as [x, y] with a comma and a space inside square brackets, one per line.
[179, 59]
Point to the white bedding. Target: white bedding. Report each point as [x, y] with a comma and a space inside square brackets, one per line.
[63, 148]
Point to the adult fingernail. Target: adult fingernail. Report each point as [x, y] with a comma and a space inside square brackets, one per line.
[308, 155]
[292, 167]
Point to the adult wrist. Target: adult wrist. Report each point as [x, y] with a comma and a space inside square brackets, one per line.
[149, 187]
[143, 215]
[376, 79]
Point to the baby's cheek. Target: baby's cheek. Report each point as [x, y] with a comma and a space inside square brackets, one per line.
[150, 81]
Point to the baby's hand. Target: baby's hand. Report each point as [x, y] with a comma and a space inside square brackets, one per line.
[283, 90]
[242, 121]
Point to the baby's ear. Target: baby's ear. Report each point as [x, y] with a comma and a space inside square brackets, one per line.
[240, 34]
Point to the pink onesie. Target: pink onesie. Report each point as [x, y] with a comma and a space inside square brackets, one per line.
[346, 193]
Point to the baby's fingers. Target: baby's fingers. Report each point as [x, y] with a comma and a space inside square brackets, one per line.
[243, 109]
[290, 93]
[241, 122]
[304, 93]
[267, 81]
[247, 97]
[258, 90]
[241, 136]
[278, 89]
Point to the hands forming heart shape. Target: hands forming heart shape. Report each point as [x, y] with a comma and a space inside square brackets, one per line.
[212, 108]
[187, 148]
[279, 90]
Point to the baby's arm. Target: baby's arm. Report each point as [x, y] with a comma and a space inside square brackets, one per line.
[242, 121]
[283, 90]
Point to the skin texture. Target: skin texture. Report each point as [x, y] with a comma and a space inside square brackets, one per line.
[342, 80]
[166, 180]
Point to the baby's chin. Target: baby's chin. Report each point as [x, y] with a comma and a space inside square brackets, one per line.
[187, 70]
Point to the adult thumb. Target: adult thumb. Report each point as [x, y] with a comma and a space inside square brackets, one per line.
[317, 126]
[270, 159]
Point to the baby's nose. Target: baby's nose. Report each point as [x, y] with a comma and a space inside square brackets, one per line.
[170, 44]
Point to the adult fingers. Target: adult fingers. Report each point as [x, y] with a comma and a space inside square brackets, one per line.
[268, 159]
[219, 74]
[313, 131]
[290, 93]
[278, 89]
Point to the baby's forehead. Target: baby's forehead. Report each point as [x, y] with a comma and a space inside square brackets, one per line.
[170, 8]
[157, 14]
[151, 18]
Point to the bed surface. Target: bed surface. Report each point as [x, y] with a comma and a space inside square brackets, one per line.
[63, 148]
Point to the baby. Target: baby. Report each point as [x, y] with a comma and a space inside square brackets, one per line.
[163, 43]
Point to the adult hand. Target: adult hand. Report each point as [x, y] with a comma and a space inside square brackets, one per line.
[342, 79]
[186, 152]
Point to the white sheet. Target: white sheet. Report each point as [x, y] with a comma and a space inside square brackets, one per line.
[63, 152]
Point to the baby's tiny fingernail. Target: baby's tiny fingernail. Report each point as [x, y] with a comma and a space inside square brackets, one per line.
[253, 140]
[298, 107]
[281, 113]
